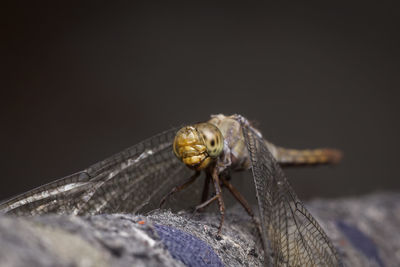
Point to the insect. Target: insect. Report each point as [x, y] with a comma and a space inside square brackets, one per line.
[147, 174]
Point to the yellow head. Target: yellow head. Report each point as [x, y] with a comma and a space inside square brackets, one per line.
[198, 145]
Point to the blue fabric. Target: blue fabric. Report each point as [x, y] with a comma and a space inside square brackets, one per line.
[187, 248]
[360, 241]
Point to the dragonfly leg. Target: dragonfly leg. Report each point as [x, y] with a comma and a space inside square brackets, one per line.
[243, 202]
[238, 196]
[205, 203]
[218, 195]
[179, 188]
[204, 195]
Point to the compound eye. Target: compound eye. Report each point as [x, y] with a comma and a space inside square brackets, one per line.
[212, 138]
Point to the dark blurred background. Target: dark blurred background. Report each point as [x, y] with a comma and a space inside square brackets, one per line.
[82, 82]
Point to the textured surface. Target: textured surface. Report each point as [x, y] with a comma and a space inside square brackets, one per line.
[365, 230]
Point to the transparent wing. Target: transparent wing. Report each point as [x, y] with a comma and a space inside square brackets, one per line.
[130, 181]
[291, 236]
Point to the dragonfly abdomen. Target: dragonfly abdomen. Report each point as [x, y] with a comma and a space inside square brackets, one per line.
[307, 156]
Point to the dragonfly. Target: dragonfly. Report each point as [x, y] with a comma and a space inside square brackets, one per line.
[147, 175]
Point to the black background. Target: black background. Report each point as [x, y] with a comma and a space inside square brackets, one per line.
[82, 82]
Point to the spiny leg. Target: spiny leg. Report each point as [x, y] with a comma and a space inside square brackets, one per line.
[179, 188]
[218, 195]
[238, 196]
[204, 195]
[243, 202]
[205, 203]
[204, 198]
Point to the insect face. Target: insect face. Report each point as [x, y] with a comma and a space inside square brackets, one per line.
[197, 146]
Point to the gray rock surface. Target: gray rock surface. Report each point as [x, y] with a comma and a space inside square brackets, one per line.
[365, 230]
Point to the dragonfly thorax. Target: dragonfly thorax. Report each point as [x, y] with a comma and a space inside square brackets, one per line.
[199, 145]
[235, 155]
